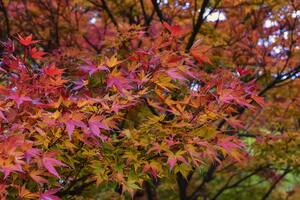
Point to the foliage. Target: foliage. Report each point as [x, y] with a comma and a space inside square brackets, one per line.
[123, 99]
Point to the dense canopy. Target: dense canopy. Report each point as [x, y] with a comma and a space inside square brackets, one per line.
[150, 99]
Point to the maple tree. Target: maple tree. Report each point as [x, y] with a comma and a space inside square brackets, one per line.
[146, 99]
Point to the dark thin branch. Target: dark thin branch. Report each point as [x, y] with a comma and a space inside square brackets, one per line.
[56, 16]
[227, 186]
[3, 9]
[292, 44]
[78, 190]
[281, 78]
[151, 191]
[91, 44]
[195, 11]
[247, 135]
[56, 141]
[200, 190]
[198, 25]
[183, 183]
[107, 10]
[273, 186]
[147, 19]
[182, 186]
[159, 12]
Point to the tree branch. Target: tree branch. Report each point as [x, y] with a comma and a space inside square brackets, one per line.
[147, 19]
[182, 186]
[226, 186]
[159, 12]
[198, 25]
[151, 191]
[91, 44]
[273, 186]
[111, 16]
[81, 188]
[107, 10]
[3, 9]
[199, 191]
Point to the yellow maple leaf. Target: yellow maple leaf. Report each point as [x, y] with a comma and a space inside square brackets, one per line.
[113, 61]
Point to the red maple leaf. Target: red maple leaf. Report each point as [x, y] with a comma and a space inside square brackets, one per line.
[52, 70]
[49, 163]
[91, 68]
[175, 30]
[73, 121]
[19, 99]
[200, 57]
[95, 125]
[26, 41]
[243, 72]
[35, 53]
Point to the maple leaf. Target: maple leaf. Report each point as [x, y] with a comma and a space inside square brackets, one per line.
[175, 74]
[152, 167]
[200, 57]
[30, 153]
[243, 102]
[172, 161]
[34, 53]
[234, 122]
[230, 144]
[2, 116]
[19, 99]
[119, 82]
[80, 84]
[243, 72]
[155, 148]
[13, 64]
[36, 176]
[8, 169]
[113, 61]
[49, 163]
[52, 70]
[26, 41]
[91, 69]
[26, 194]
[175, 30]
[225, 95]
[95, 125]
[259, 100]
[173, 158]
[49, 195]
[116, 106]
[72, 121]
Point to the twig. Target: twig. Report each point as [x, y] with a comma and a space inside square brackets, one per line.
[111, 16]
[91, 44]
[159, 12]
[207, 178]
[273, 186]
[227, 186]
[107, 10]
[3, 9]
[146, 17]
[198, 25]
